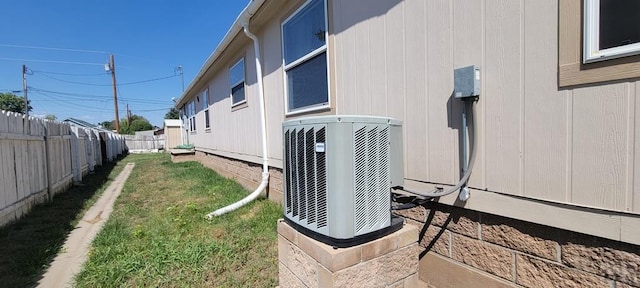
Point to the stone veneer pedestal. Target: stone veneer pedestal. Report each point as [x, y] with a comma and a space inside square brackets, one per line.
[390, 261]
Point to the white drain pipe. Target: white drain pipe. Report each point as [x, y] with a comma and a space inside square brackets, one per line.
[265, 160]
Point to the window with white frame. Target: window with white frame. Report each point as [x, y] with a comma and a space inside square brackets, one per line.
[611, 29]
[192, 115]
[205, 107]
[236, 83]
[304, 45]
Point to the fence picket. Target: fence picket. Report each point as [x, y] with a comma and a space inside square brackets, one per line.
[36, 159]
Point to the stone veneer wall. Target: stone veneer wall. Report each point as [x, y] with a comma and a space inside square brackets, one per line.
[249, 175]
[515, 252]
[390, 261]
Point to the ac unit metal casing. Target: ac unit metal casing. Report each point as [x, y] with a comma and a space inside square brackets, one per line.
[338, 173]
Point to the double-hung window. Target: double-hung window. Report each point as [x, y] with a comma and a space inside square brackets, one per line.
[205, 107]
[236, 83]
[304, 42]
[611, 29]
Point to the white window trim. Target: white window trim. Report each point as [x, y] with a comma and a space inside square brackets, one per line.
[192, 116]
[207, 125]
[205, 107]
[205, 100]
[244, 82]
[319, 50]
[592, 52]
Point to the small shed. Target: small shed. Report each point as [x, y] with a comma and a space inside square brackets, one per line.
[173, 133]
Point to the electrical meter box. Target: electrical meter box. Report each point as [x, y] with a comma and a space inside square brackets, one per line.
[466, 82]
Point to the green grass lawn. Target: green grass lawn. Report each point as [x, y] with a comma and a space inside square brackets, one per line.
[158, 235]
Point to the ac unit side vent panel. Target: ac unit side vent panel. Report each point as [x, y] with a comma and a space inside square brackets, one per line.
[372, 179]
[338, 173]
[305, 184]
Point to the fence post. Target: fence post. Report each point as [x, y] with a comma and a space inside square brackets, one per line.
[47, 160]
[75, 156]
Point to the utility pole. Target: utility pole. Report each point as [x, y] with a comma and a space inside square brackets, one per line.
[24, 90]
[179, 71]
[128, 115]
[112, 68]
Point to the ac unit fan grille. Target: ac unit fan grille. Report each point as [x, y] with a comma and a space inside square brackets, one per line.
[306, 182]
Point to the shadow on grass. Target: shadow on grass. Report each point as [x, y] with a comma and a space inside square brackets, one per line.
[28, 245]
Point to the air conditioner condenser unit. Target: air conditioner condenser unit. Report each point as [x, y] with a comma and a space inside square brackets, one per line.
[338, 173]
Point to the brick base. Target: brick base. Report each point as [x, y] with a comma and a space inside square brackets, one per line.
[249, 175]
[390, 261]
[502, 252]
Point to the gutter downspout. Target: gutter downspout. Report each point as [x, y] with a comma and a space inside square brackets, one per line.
[265, 159]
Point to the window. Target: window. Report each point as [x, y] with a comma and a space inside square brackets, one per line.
[236, 81]
[611, 29]
[596, 23]
[191, 112]
[205, 99]
[304, 45]
[205, 107]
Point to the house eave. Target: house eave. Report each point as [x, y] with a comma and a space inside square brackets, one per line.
[233, 31]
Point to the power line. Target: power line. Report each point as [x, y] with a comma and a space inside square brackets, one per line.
[53, 48]
[71, 82]
[149, 80]
[73, 105]
[50, 61]
[80, 96]
[68, 93]
[95, 84]
[151, 110]
[69, 74]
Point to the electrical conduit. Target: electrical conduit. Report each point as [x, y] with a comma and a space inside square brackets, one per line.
[265, 160]
[440, 192]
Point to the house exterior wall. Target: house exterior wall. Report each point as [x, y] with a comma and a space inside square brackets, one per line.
[574, 145]
[561, 159]
[571, 145]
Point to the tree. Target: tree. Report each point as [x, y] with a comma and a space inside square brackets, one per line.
[50, 117]
[107, 125]
[138, 123]
[173, 113]
[11, 102]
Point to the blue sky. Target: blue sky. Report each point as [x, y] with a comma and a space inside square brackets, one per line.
[149, 39]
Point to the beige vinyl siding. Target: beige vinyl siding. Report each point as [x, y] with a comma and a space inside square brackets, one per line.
[546, 138]
[536, 140]
[236, 132]
[273, 81]
[232, 130]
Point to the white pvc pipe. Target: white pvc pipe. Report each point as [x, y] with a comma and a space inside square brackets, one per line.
[263, 126]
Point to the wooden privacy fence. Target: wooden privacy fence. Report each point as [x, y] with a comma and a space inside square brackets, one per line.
[40, 158]
[144, 143]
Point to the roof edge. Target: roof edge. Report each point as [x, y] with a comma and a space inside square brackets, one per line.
[235, 28]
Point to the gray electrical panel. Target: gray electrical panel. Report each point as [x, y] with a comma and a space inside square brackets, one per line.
[466, 82]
